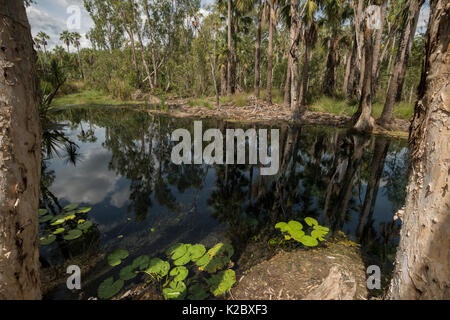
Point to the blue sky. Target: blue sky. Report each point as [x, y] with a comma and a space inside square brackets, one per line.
[51, 17]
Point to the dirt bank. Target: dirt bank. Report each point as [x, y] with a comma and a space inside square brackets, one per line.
[260, 112]
[335, 272]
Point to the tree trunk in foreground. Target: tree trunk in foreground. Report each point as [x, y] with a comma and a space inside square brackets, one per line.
[20, 157]
[421, 268]
[230, 50]
[293, 59]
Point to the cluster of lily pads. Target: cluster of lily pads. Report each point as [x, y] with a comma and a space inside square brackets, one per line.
[182, 276]
[293, 230]
[70, 223]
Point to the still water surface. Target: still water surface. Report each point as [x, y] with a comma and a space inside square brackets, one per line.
[143, 203]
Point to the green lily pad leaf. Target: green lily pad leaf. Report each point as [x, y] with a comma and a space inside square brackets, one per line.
[73, 234]
[197, 251]
[43, 212]
[221, 282]
[282, 226]
[223, 249]
[115, 258]
[309, 241]
[295, 226]
[311, 222]
[297, 235]
[46, 218]
[109, 288]
[203, 261]
[84, 209]
[141, 262]
[127, 273]
[197, 292]
[321, 228]
[217, 263]
[85, 225]
[71, 207]
[179, 273]
[58, 231]
[58, 222]
[175, 291]
[178, 251]
[319, 234]
[70, 217]
[183, 260]
[45, 241]
[158, 267]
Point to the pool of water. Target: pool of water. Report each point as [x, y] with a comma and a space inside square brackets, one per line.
[121, 166]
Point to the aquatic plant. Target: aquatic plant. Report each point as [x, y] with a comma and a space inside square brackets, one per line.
[294, 230]
[222, 282]
[67, 224]
[116, 257]
[184, 260]
[109, 288]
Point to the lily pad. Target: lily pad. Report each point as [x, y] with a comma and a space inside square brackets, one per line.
[73, 234]
[197, 292]
[222, 282]
[295, 226]
[84, 209]
[43, 212]
[203, 261]
[109, 288]
[183, 260]
[71, 207]
[282, 226]
[311, 221]
[58, 222]
[45, 241]
[46, 218]
[309, 241]
[178, 250]
[58, 231]
[141, 262]
[175, 291]
[127, 273]
[85, 225]
[158, 267]
[115, 258]
[197, 251]
[179, 273]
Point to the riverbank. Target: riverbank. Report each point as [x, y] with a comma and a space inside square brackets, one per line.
[240, 108]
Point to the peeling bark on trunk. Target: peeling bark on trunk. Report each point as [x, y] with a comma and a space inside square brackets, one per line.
[365, 122]
[421, 268]
[20, 157]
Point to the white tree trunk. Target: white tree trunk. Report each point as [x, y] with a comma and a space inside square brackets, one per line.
[20, 156]
[422, 263]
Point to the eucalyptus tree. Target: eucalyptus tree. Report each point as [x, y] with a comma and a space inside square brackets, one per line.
[20, 158]
[397, 78]
[309, 38]
[107, 32]
[421, 268]
[67, 38]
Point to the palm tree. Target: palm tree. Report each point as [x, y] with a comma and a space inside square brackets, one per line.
[43, 37]
[67, 38]
[76, 41]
